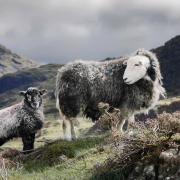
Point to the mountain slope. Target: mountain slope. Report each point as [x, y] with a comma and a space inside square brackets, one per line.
[44, 76]
[169, 57]
[11, 62]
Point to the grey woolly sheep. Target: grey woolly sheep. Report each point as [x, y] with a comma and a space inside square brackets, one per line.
[132, 84]
[23, 119]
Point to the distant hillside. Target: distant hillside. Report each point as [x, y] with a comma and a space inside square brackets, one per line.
[42, 77]
[11, 62]
[45, 75]
[169, 56]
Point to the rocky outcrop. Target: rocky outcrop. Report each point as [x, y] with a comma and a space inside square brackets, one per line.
[166, 168]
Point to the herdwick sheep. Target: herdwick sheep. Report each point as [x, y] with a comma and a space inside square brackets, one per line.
[132, 84]
[23, 119]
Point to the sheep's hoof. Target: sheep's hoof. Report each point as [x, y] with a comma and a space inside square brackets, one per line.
[68, 138]
[27, 151]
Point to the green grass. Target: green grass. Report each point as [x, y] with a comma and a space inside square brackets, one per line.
[81, 154]
[50, 153]
[52, 130]
[80, 167]
[46, 162]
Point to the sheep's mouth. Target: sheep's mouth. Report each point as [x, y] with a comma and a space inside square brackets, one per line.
[128, 82]
[35, 105]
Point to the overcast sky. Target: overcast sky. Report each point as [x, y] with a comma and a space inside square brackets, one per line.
[63, 30]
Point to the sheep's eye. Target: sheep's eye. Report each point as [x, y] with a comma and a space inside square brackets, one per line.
[137, 64]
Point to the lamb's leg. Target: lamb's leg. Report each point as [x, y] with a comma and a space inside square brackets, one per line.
[2, 141]
[28, 142]
[67, 129]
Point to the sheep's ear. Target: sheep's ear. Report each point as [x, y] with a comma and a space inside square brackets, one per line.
[140, 51]
[43, 91]
[125, 62]
[22, 93]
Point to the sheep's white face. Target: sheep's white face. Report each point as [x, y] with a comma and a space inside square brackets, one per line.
[136, 68]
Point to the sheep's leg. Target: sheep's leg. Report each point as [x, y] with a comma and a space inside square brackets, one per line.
[28, 142]
[67, 129]
[124, 124]
[121, 125]
[66, 125]
[72, 129]
[130, 121]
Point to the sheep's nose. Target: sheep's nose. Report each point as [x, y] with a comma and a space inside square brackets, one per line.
[125, 79]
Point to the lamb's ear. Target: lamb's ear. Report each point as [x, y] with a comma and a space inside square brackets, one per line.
[43, 92]
[22, 93]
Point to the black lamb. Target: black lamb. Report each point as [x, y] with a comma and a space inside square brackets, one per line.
[23, 119]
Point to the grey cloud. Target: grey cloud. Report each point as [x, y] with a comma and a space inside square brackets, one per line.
[60, 31]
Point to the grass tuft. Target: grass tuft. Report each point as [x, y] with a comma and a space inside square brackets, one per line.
[51, 153]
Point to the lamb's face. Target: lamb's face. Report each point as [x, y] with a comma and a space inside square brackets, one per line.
[33, 97]
[136, 69]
